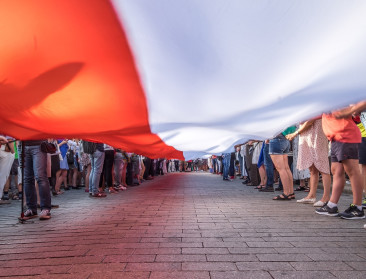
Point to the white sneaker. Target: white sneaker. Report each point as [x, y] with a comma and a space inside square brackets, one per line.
[306, 201]
[45, 214]
[364, 226]
[29, 214]
[319, 204]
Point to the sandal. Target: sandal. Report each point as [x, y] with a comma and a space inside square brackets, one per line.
[291, 196]
[307, 189]
[300, 188]
[282, 197]
[112, 191]
[260, 187]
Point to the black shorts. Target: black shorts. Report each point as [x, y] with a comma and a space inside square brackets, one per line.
[362, 152]
[14, 167]
[343, 150]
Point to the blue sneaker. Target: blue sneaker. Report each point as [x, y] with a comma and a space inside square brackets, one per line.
[326, 210]
[352, 213]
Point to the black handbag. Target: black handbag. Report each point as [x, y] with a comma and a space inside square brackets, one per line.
[48, 147]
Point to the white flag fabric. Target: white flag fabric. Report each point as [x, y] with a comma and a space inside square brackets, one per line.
[220, 72]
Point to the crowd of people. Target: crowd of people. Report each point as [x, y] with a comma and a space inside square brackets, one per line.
[331, 147]
[54, 166]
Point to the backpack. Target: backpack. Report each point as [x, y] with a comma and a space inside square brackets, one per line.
[89, 147]
[70, 156]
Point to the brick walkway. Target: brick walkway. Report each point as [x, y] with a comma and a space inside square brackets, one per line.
[184, 225]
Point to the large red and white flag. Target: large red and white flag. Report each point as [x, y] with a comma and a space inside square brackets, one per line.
[161, 77]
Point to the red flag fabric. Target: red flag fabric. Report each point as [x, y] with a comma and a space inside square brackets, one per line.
[67, 71]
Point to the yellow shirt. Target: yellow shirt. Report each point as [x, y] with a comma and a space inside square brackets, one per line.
[362, 129]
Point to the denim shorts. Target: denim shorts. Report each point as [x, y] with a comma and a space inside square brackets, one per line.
[279, 146]
[343, 150]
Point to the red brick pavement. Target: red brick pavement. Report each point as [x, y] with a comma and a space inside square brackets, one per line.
[181, 225]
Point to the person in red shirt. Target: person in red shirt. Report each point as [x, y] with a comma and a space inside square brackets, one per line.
[345, 137]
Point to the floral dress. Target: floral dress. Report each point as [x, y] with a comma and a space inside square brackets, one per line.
[313, 149]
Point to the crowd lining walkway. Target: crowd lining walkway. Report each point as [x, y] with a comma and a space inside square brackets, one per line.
[182, 225]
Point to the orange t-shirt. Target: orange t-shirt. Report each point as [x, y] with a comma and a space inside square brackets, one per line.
[341, 130]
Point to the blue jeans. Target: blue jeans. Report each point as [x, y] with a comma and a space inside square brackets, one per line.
[214, 162]
[97, 161]
[36, 167]
[241, 164]
[226, 165]
[261, 156]
[268, 164]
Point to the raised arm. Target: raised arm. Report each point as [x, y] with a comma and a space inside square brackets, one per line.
[303, 127]
[348, 111]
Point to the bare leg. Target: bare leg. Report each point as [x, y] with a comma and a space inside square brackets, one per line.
[326, 185]
[353, 171]
[124, 174]
[363, 172]
[7, 184]
[338, 181]
[281, 164]
[88, 171]
[16, 182]
[64, 177]
[314, 180]
[263, 175]
[58, 181]
[142, 171]
[74, 177]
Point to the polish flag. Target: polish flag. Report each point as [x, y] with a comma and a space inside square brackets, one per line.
[177, 78]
